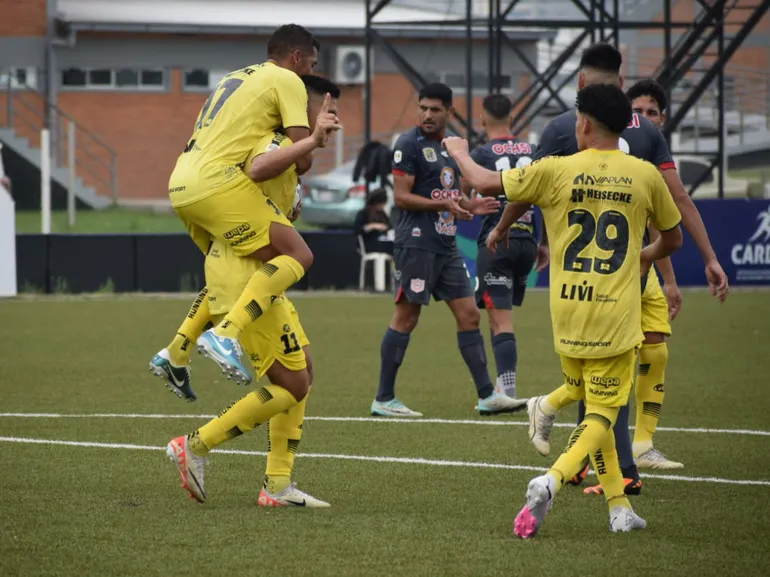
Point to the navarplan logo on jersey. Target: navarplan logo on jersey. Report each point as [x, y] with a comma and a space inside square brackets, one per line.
[417, 285]
[447, 177]
[755, 254]
[430, 154]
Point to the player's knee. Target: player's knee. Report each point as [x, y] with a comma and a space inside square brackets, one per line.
[654, 338]
[606, 416]
[500, 322]
[468, 319]
[404, 323]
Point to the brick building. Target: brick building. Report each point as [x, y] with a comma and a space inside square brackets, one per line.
[133, 75]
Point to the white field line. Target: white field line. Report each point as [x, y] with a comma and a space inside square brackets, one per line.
[368, 458]
[381, 420]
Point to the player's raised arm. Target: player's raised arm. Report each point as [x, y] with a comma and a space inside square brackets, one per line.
[484, 182]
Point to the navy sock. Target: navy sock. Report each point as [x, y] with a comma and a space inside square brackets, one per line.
[392, 353]
[623, 440]
[506, 356]
[471, 345]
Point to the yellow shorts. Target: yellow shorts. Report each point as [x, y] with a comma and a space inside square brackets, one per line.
[239, 215]
[274, 337]
[604, 382]
[301, 335]
[655, 318]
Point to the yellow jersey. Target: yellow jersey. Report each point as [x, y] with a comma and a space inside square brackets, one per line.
[246, 105]
[282, 188]
[595, 205]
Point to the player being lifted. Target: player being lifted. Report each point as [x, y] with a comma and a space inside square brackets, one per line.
[503, 275]
[276, 344]
[215, 194]
[427, 260]
[596, 205]
[648, 99]
[600, 64]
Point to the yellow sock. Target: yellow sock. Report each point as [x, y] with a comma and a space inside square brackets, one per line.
[584, 440]
[607, 467]
[649, 394]
[195, 323]
[252, 410]
[559, 399]
[284, 432]
[272, 279]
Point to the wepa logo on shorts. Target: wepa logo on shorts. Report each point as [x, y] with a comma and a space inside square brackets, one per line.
[605, 381]
[237, 231]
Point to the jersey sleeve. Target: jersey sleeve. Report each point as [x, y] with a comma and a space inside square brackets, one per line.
[292, 100]
[530, 183]
[404, 160]
[665, 215]
[661, 155]
[550, 142]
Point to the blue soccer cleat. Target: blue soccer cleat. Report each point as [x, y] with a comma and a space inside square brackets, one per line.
[225, 352]
[177, 379]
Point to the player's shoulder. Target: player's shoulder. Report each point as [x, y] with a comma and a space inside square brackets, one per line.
[408, 138]
[563, 122]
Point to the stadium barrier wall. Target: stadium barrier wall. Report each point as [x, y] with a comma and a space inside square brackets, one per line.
[70, 263]
[739, 231]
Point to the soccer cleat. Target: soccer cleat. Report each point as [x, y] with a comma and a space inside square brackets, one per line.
[624, 520]
[539, 501]
[632, 487]
[540, 426]
[290, 497]
[580, 477]
[392, 408]
[499, 403]
[225, 352]
[654, 459]
[190, 467]
[177, 379]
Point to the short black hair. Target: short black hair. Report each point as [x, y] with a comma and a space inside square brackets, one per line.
[377, 196]
[320, 85]
[290, 37]
[649, 88]
[498, 106]
[607, 104]
[603, 57]
[437, 91]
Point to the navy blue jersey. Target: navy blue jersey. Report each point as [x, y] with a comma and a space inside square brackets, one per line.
[641, 139]
[504, 154]
[436, 176]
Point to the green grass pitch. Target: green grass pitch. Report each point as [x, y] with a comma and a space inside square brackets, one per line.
[434, 504]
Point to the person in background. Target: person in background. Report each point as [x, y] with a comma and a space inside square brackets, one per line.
[372, 223]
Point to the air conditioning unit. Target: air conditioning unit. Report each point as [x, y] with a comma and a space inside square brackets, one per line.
[350, 65]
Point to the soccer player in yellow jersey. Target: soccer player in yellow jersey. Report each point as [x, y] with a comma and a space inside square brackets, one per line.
[276, 344]
[596, 204]
[217, 199]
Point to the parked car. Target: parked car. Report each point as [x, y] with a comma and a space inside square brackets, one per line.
[332, 200]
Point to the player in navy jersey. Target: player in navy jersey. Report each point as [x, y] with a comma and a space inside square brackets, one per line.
[600, 64]
[502, 276]
[427, 260]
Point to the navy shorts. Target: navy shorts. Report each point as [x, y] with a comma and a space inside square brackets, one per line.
[420, 274]
[503, 275]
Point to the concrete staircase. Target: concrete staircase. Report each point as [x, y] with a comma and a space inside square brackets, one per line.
[84, 193]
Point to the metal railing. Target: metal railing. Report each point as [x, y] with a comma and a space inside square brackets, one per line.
[28, 112]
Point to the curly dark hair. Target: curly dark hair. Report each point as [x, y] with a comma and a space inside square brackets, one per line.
[607, 104]
[649, 88]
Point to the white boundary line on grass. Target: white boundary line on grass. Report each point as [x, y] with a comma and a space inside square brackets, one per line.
[399, 460]
[700, 430]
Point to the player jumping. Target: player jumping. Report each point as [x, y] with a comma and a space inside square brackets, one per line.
[596, 205]
[503, 275]
[427, 260]
[276, 344]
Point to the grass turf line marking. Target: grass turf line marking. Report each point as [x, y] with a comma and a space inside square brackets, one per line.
[383, 420]
[400, 460]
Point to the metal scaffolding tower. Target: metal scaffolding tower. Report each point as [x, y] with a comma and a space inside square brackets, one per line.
[597, 20]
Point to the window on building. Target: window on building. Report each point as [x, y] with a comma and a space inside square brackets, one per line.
[200, 79]
[113, 78]
[18, 78]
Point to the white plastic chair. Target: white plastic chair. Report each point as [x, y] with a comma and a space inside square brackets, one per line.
[379, 261]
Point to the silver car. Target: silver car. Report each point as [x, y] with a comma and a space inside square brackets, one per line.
[333, 200]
